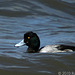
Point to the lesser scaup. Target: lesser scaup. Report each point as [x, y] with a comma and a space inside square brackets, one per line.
[33, 42]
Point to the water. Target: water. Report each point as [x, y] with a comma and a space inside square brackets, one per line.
[52, 20]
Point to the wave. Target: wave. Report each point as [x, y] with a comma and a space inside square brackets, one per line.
[36, 7]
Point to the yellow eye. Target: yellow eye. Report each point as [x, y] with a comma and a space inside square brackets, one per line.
[28, 37]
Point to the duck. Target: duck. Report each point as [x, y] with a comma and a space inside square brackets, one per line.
[31, 39]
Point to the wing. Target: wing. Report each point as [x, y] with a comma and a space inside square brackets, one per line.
[65, 47]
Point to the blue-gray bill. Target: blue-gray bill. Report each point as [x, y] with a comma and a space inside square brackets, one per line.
[20, 43]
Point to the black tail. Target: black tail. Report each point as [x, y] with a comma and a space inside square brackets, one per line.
[63, 47]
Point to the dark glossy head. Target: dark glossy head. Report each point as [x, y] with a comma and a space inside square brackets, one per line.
[32, 41]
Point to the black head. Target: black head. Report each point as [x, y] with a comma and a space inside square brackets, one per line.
[32, 41]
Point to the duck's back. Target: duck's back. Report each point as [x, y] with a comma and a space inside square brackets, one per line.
[57, 48]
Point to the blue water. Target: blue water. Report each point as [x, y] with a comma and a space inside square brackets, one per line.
[52, 20]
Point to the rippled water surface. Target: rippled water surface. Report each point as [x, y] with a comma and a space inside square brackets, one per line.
[52, 20]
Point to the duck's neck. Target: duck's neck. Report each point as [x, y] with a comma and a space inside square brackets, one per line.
[31, 50]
